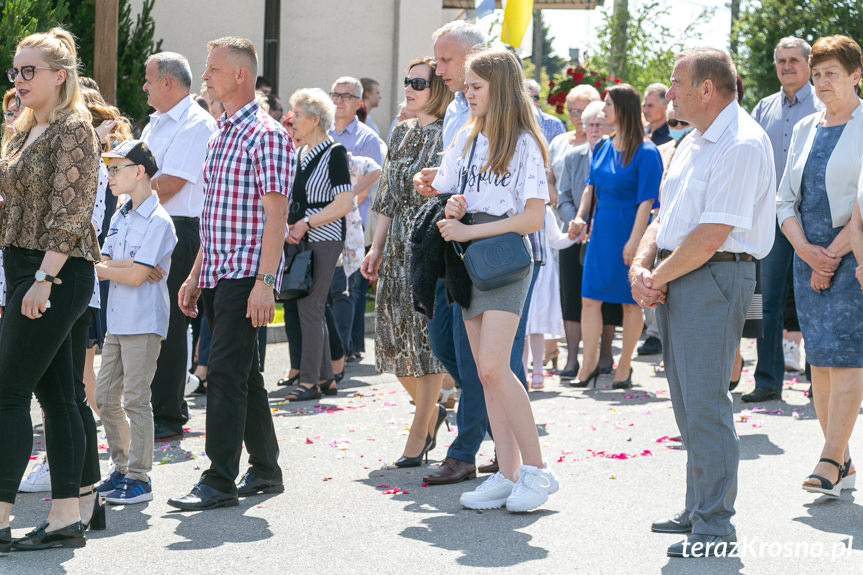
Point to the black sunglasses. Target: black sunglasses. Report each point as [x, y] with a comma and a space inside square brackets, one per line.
[674, 123]
[418, 84]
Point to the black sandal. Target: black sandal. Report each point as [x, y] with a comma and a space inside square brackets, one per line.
[97, 519]
[302, 393]
[833, 489]
[328, 387]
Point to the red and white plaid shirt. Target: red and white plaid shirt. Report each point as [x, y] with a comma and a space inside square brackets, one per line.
[249, 156]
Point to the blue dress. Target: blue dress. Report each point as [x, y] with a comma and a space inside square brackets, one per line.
[832, 321]
[619, 190]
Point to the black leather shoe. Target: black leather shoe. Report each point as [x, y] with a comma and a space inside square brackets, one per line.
[760, 394]
[69, 536]
[5, 540]
[651, 346]
[203, 497]
[164, 433]
[251, 484]
[700, 545]
[680, 523]
[288, 380]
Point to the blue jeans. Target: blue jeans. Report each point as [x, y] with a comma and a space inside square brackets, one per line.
[775, 280]
[472, 418]
[359, 286]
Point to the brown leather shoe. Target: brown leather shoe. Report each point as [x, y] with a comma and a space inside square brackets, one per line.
[451, 471]
[489, 467]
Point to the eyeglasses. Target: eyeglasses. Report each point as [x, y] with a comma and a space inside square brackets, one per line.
[112, 170]
[9, 114]
[535, 98]
[575, 111]
[594, 125]
[674, 123]
[418, 84]
[343, 96]
[27, 72]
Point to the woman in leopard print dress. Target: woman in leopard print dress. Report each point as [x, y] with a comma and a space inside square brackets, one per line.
[401, 335]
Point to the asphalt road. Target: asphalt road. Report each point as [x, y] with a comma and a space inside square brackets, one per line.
[348, 510]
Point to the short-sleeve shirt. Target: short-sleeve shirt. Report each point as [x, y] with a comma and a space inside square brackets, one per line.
[487, 192]
[619, 186]
[359, 140]
[178, 139]
[249, 156]
[722, 176]
[145, 234]
[323, 180]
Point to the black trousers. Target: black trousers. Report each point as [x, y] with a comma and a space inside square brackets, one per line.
[238, 409]
[80, 336]
[36, 357]
[169, 407]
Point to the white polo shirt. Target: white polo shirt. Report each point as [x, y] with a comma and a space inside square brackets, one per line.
[147, 235]
[178, 140]
[723, 176]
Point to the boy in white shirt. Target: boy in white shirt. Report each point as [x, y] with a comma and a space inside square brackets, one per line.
[140, 240]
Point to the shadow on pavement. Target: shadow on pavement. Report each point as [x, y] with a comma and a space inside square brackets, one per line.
[214, 528]
[843, 516]
[758, 444]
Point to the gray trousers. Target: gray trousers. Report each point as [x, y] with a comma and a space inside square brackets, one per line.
[650, 327]
[701, 324]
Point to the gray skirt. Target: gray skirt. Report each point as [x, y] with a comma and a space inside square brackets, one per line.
[510, 297]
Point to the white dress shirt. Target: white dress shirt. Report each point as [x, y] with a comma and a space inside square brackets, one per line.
[178, 139]
[723, 176]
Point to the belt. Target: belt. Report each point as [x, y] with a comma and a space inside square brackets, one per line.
[717, 257]
[185, 219]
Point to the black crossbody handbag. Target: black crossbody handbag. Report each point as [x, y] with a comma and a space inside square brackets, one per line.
[496, 261]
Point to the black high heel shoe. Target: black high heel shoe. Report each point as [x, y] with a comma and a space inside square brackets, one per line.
[288, 381]
[98, 521]
[625, 384]
[69, 536]
[441, 417]
[5, 540]
[593, 376]
[404, 461]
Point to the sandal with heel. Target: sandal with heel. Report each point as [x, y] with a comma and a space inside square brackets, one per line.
[848, 479]
[827, 487]
[98, 520]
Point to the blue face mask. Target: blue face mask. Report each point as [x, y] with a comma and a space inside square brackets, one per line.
[677, 134]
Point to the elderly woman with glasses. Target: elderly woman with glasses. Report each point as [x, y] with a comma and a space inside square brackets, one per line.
[570, 175]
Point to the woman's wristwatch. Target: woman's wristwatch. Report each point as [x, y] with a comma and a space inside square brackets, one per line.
[41, 276]
[308, 221]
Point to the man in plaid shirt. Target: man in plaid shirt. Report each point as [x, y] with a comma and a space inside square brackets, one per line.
[248, 172]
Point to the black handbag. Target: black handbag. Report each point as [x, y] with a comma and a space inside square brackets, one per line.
[497, 261]
[298, 277]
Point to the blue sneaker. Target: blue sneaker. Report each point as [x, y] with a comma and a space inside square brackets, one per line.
[131, 491]
[110, 483]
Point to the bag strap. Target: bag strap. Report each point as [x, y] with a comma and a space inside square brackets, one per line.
[456, 245]
[298, 192]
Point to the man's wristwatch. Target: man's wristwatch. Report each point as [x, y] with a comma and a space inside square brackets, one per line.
[268, 279]
[308, 222]
[41, 276]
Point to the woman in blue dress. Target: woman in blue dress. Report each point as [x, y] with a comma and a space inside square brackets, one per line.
[625, 174]
[816, 210]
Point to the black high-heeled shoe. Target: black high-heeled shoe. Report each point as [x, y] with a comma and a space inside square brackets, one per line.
[69, 536]
[593, 376]
[405, 461]
[288, 381]
[98, 521]
[441, 417]
[625, 384]
[5, 540]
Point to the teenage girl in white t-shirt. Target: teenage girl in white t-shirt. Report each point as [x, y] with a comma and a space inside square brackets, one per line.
[505, 191]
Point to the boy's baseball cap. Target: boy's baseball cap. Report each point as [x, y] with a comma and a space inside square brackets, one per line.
[137, 152]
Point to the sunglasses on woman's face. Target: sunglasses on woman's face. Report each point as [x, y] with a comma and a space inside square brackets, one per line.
[417, 84]
[674, 123]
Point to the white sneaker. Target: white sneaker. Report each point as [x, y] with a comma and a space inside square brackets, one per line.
[192, 383]
[38, 481]
[532, 489]
[792, 356]
[491, 494]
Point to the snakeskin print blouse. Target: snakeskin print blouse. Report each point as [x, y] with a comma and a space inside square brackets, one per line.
[49, 190]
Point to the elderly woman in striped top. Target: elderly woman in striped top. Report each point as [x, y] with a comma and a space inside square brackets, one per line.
[320, 198]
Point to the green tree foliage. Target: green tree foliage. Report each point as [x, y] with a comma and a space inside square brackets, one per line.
[651, 47]
[19, 18]
[763, 23]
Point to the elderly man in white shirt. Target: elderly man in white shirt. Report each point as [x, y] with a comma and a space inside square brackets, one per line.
[177, 135]
[695, 263]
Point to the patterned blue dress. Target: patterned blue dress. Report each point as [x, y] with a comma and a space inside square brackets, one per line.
[832, 321]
